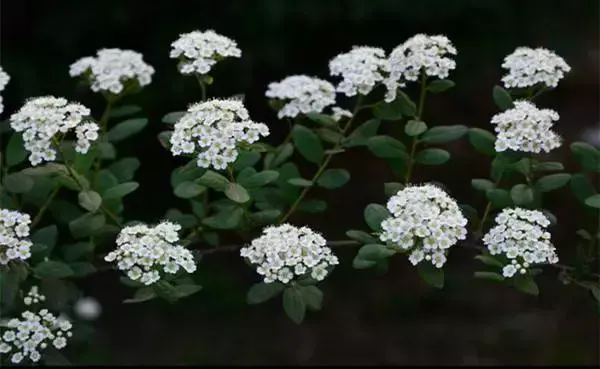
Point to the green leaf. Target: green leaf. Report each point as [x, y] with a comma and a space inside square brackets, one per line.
[83, 162]
[46, 236]
[322, 119]
[294, 305]
[386, 147]
[126, 129]
[15, 150]
[89, 200]
[489, 275]
[308, 144]
[329, 136]
[499, 198]
[375, 252]
[172, 117]
[374, 214]
[360, 236]
[300, 182]
[64, 211]
[106, 150]
[587, 155]
[259, 179]
[483, 141]
[432, 156]
[86, 225]
[213, 180]
[51, 268]
[392, 188]
[362, 133]
[440, 85]
[502, 98]
[261, 292]
[120, 190]
[225, 219]
[441, 134]
[406, 105]
[188, 190]
[387, 111]
[523, 166]
[281, 154]
[333, 178]
[358, 263]
[165, 139]
[481, 184]
[106, 180]
[552, 182]
[266, 216]
[74, 251]
[82, 269]
[312, 206]
[125, 110]
[549, 166]
[141, 295]
[312, 296]
[526, 284]
[489, 260]
[431, 275]
[18, 182]
[186, 221]
[521, 194]
[581, 187]
[415, 127]
[246, 159]
[124, 169]
[237, 193]
[593, 201]
[185, 290]
[188, 172]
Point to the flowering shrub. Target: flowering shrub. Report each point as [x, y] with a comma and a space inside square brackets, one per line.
[234, 180]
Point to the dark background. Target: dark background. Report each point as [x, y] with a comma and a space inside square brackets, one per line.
[367, 318]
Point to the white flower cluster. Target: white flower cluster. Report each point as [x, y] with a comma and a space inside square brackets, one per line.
[34, 296]
[112, 69]
[526, 128]
[528, 67]
[14, 230]
[361, 69]
[4, 78]
[214, 128]
[420, 53]
[424, 220]
[199, 51]
[286, 252]
[339, 113]
[25, 338]
[302, 94]
[521, 236]
[144, 252]
[43, 117]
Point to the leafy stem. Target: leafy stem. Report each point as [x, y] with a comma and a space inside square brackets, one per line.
[419, 116]
[487, 210]
[44, 207]
[103, 128]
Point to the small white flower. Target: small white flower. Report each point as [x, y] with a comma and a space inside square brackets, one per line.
[87, 308]
[339, 113]
[301, 95]
[198, 51]
[528, 67]
[4, 78]
[361, 69]
[14, 230]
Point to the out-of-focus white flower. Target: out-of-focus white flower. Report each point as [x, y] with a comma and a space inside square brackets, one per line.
[34, 296]
[199, 51]
[528, 67]
[419, 54]
[4, 78]
[339, 113]
[425, 221]
[87, 308]
[28, 337]
[213, 129]
[113, 70]
[521, 236]
[361, 69]
[301, 95]
[285, 253]
[526, 128]
[146, 253]
[42, 118]
[14, 236]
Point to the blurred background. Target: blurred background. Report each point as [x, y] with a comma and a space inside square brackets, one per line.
[367, 318]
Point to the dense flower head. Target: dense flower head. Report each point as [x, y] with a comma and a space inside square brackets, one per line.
[528, 67]
[213, 129]
[285, 253]
[14, 236]
[301, 94]
[34, 296]
[361, 69]
[112, 70]
[42, 118]
[425, 221]
[4, 78]
[145, 253]
[199, 51]
[520, 235]
[526, 128]
[26, 338]
[419, 54]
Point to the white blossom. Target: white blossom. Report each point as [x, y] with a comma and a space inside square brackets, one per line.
[526, 128]
[26, 338]
[521, 236]
[286, 253]
[199, 51]
[361, 69]
[339, 113]
[34, 296]
[425, 221]
[87, 308]
[41, 119]
[528, 67]
[113, 70]
[14, 236]
[145, 253]
[4, 78]
[419, 54]
[301, 95]
[213, 130]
